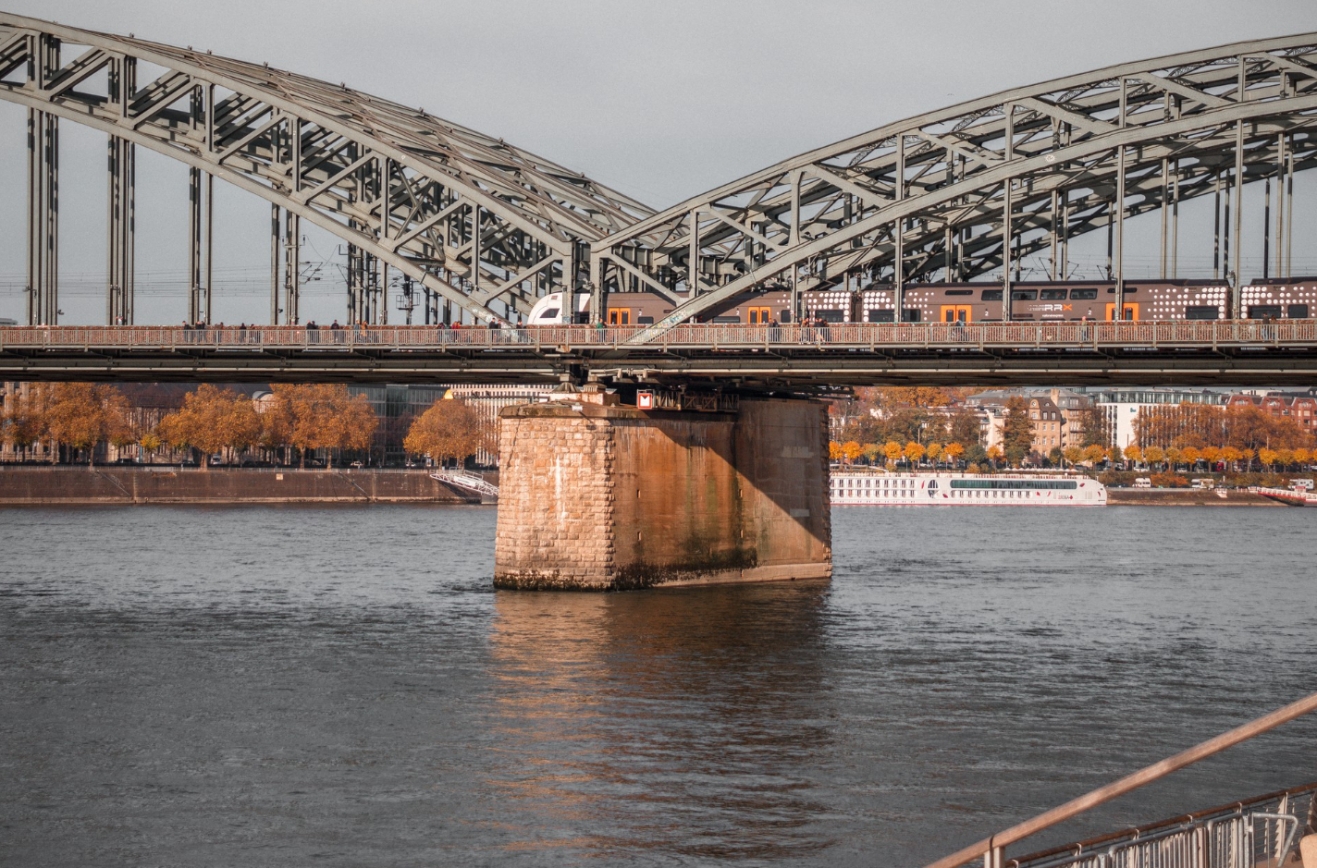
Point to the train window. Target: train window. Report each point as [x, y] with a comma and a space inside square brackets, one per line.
[619, 316]
[727, 319]
[644, 320]
[1024, 294]
[1202, 311]
[1263, 311]
[1129, 290]
[1083, 294]
[550, 313]
[882, 316]
[785, 317]
[960, 292]
[990, 295]
[830, 315]
[1052, 295]
[1297, 311]
[910, 314]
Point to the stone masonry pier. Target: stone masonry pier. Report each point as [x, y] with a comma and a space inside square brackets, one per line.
[595, 495]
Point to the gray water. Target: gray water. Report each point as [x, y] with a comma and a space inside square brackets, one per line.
[340, 686]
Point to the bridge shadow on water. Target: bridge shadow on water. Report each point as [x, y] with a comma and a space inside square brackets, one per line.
[680, 723]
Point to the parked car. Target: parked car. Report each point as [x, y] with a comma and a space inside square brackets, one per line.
[1143, 482]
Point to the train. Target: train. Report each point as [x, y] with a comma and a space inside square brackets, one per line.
[1155, 300]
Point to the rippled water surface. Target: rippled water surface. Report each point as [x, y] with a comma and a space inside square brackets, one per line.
[288, 686]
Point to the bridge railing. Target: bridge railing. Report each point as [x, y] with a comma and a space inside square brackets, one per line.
[692, 335]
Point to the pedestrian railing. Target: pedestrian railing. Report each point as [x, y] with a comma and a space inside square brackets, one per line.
[1289, 495]
[465, 480]
[1262, 831]
[1257, 834]
[849, 336]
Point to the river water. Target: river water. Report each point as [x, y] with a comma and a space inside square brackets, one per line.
[341, 686]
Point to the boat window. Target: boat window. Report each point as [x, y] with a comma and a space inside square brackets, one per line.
[1017, 484]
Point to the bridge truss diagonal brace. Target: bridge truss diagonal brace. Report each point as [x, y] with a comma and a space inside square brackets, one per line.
[1229, 115]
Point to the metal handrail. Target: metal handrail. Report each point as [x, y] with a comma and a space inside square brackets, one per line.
[1160, 828]
[996, 335]
[992, 849]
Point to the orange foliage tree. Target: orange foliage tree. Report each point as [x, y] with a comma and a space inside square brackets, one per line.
[83, 415]
[212, 420]
[319, 416]
[451, 428]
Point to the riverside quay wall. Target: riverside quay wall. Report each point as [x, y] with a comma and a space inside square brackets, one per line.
[594, 495]
[31, 486]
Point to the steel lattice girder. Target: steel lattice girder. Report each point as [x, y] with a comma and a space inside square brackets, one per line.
[836, 210]
[467, 215]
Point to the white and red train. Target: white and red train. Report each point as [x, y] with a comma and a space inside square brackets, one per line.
[1157, 300]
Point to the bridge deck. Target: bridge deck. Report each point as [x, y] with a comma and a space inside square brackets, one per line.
[1221, 352]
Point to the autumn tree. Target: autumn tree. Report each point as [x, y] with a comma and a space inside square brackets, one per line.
[1096, 426]
[934, 452]
[1072, 454]
[953, 451]
[318, 416]
[24, 420]
[83, 415]
[893, 451]
[1016, 430]
[850, 450]
[965, 428]
[451, 428]
[212, 420]
[834, 449]
[913, 452]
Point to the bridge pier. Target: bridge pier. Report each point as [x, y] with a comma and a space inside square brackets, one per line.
[595, 495]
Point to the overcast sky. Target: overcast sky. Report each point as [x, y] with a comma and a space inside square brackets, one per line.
[660, 100]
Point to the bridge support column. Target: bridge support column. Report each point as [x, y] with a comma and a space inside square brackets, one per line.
[120, 245]
[599, 496]
[42, 218]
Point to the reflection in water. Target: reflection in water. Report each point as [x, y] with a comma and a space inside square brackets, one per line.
[686, 721]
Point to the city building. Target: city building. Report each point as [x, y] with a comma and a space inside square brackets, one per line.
[1302, 407]
[1122, 406]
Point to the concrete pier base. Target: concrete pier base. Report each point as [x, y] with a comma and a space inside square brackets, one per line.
[599, 496]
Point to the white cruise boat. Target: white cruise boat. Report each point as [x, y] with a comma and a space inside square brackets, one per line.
[860, 488]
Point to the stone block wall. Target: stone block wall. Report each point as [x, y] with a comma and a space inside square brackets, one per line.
[596, 496]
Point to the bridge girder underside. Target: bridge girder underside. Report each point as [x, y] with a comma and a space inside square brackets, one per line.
[965, 190]
[466, 215]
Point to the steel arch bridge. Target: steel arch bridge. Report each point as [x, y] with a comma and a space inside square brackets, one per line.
[964, 193]
[467, 217]
[971, 190]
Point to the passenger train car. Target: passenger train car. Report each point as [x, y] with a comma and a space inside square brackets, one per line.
[965, 489]
[1156, 300]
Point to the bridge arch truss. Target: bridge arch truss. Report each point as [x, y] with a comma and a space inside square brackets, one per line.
[972, 190]
[463, 217]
